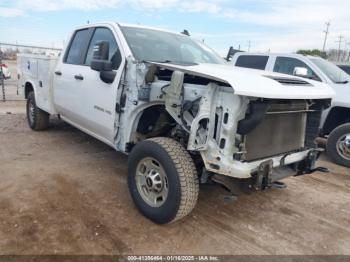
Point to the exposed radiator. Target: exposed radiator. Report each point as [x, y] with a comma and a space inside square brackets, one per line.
[286, 127]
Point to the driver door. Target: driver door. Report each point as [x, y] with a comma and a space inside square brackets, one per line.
[98, 99]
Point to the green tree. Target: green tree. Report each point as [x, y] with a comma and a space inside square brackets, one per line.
[314, 52]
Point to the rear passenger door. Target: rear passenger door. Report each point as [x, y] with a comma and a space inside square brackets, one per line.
[67, 88]
[252, 61]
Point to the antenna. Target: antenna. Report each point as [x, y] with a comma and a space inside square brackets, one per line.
[186, 32]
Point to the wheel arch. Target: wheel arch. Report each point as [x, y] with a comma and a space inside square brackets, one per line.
[28, 87]
[337, 116]
[138, 118]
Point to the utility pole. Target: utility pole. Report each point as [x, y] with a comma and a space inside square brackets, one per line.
[341, 38]
[2, 77]
[326, 32]
[248, 46]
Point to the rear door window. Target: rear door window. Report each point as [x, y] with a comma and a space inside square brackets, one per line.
[286, 65]
[252, 61]
[78, 46]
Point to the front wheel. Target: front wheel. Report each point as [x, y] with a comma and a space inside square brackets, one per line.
[338, 145]
[162, 180]
[37, 118]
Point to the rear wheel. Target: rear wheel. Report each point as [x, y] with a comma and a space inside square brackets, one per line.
[162, 180]
[37, 118]
[338, 145]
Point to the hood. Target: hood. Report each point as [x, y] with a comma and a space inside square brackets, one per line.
[257, 83]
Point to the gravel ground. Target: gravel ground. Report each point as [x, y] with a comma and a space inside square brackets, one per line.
[63, 192]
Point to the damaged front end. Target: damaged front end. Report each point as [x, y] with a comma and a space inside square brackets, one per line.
[253, 139]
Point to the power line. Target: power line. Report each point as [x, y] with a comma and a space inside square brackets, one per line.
[326, 32]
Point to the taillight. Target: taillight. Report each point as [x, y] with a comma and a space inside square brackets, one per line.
[4, 65]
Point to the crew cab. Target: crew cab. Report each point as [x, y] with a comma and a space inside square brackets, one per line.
[178, 110]
[335, 124]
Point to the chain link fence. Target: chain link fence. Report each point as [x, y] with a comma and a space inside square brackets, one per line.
[8, 63]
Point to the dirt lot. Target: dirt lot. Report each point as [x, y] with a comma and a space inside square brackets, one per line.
[63, 192]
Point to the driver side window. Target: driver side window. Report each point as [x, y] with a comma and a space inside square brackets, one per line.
[286, 65]
[104, 34]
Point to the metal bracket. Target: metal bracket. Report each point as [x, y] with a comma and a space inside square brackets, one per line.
[308, 167]
[264, 175]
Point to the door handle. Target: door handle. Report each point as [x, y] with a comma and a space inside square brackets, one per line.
[59, 73]
[79, 77]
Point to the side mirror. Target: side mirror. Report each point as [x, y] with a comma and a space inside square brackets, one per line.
[101, 63]
[100, 57]
[101, 50]
[300, 71]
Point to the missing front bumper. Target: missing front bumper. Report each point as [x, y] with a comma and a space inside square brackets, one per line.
[267, 176]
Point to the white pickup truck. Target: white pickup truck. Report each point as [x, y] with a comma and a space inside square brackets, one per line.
[335, 121]
[181, 113]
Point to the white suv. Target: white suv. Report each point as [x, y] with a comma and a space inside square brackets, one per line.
[336, 120]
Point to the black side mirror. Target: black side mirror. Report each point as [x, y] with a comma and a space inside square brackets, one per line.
[101, 50]
[101, 63]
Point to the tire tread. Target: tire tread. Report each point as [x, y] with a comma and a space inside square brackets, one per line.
[187, 174]
[332, 141]
[41, 118]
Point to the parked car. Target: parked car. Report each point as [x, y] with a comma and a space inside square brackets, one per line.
[345, 68]
[181, 113]
[335, 124]
[4, 71]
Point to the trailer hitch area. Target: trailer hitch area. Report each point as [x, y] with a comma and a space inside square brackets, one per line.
[308, 165]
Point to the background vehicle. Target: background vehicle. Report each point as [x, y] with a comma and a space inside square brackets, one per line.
[335, 122]
[180, 112]
[345, 68]
[4, 71]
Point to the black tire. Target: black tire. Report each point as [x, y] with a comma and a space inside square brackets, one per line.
[332, 145]
[182, 179]
[37, 118]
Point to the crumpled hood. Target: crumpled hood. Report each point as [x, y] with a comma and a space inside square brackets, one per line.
[256, 83]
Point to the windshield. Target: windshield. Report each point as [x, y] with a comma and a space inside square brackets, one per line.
[160, 46]
[333, 72]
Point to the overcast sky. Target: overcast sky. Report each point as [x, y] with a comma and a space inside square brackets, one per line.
[275, 25]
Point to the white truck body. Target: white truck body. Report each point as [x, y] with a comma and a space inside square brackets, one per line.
[237, 124]
[38, 70]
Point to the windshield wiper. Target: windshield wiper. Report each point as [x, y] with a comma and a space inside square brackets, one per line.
[342, 82]
[172, 62]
